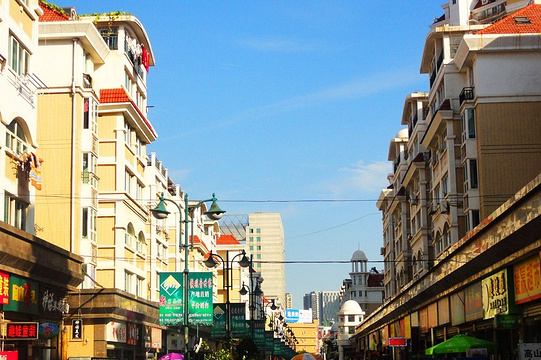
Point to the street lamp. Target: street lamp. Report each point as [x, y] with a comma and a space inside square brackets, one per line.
[227, 280]
[160, 212]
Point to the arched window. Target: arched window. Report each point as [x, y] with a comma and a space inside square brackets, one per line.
[16, 138]
[446, 236]
[438, 245]
[414, 261]
[141, 242]
[420, 260]
[130, 235]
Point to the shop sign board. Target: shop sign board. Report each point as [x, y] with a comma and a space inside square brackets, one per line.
[4, 290]
[133, 334]
[529, 351]
[527, 275]
[22, 331]
[9, 355]
[77, 329]
[171, 298]
[259, 333]
[200, 298]
[23, 295]
[299, 316]
[495, 294]
[397, 341]
[506, 321]
[48, 330]
[156, 338]
[116, 331]
[53, 302]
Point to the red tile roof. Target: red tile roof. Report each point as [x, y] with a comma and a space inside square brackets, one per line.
[111, 96]
[375, 280]
[227, 240]
[50, 14]
[508, 25]
[195, 239]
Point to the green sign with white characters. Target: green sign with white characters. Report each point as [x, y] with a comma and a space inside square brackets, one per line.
[171, 298]
[200, 298]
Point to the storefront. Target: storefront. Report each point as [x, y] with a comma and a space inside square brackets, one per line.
[35, 278]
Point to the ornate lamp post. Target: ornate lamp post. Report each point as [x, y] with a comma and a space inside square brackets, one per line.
[227, 282]
[160, 212]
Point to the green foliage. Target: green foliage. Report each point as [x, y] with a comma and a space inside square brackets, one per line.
[53, 7]
[109, 16]
[246, 349]
[221, 354]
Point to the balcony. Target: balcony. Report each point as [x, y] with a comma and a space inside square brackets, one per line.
[466, 94]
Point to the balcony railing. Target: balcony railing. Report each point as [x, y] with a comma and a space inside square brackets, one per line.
[466, 94]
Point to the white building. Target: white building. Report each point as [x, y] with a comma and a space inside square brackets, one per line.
[349, 316]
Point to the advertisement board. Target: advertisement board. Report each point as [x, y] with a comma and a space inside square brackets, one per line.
[527, 275]
[200, 298]
[495, 294]
[171, 298]
[23, 295]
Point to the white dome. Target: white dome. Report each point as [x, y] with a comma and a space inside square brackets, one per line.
[351, 307]
[359, 256]
[402, 134]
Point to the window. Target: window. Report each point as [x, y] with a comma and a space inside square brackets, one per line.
[140, 145]
[110, 36]
[90, 169]
[139, 286]
[258, 256]
[251, 231]
[258, 248]
[128, 180]
[90, 113]
[468, 124]
[127, 133]
[89, 220]
[15, 211]
[258, 231]
[444, 186]
[251, 248]
[20, 57]
[15, 138]
[139, 191]
[251, 238]
[473, 174]
[140, 242]
[258, 239]
[128, 281]
[130, 235]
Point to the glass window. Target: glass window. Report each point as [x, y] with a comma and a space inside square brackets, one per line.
[258, 239]
[128, 281]
[473, 174]
[130, 235]
[90, 169]
[258, 231]
[139, 286]
[89, 220]
[15, 212]
[15, 138]
[141, 242]
[110, 36]
[444, 186]
[127, 133]
[20, 58]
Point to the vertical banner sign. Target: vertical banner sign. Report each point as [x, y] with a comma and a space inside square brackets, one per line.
[77, 329]
[171, 298]
[24, 295]
[218, 330]
[259, 334]
[4, 289]
[495, 295]
[239, 328]
[269, 342]
[200, 298]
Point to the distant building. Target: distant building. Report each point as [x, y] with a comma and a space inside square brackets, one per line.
[364, 286]
[289, 301]
[324, 304]
[263, 234]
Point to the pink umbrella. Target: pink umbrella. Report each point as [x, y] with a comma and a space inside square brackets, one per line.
[172, 356]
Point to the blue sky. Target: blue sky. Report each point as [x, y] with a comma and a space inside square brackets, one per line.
[269, 102]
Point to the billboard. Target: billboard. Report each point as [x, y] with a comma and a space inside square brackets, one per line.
[299, 316]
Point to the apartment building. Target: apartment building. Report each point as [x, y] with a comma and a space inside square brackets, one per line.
[325, 306]
[460, 170]
[35, 275]
[265, 241]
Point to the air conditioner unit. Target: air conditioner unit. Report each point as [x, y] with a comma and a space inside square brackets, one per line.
[382, 251]
[414, 200]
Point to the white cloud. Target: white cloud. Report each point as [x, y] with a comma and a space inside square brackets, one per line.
[361, 178]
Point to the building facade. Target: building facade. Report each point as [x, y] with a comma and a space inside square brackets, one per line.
[462, 170]
[325, 306]
[265, 241]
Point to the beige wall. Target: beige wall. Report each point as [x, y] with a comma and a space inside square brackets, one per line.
[53, 205]
[20, 16]
[509, 155]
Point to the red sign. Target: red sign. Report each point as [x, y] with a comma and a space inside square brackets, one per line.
[9, 355]
[4, 288]
[22, 331]
[397, 342]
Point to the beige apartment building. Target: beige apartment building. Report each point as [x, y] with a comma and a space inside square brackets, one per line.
[35, 275]
[265, 241]
[468, 158]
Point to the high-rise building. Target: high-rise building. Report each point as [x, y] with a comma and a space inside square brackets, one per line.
[265, 241]
[324, 304]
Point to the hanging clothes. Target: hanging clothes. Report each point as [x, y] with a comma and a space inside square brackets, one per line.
[35, 171]
[146, 58]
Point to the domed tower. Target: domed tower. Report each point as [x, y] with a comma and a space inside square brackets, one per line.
[349, 316]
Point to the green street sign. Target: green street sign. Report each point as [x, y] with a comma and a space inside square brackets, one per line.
[219, 314]
[171, 298]
[200, 298]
